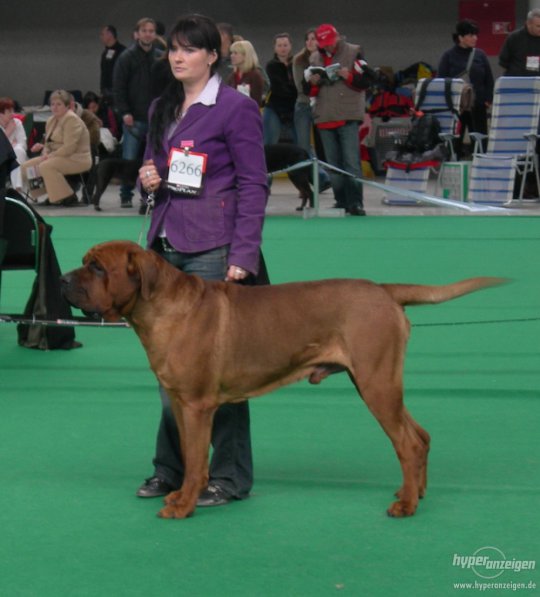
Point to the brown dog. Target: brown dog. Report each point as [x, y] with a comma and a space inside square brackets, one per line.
[214, 342]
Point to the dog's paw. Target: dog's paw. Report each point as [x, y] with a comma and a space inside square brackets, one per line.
[401, 509]
[175, 512]
[173, 498]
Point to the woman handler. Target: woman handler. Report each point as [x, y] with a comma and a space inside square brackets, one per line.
[205, 165]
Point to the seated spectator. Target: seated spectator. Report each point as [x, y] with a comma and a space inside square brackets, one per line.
[14, 131]
[93, 103]
[92, 122]
[246, 76]
[65, 150]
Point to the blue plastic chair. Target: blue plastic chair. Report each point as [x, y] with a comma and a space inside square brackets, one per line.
[511, 142]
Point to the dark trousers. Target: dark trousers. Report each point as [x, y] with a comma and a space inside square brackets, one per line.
[231, 465]
[342, 149]
[475, 121]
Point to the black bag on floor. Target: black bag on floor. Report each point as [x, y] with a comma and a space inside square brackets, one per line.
[46, 301]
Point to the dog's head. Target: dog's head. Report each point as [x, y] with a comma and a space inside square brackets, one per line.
[114, 276]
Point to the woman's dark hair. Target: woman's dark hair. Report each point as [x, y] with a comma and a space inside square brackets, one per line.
[303, 56]
[465, 27]
[196, 31]
[89, 97]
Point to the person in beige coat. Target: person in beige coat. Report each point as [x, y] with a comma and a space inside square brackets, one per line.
[66, 150]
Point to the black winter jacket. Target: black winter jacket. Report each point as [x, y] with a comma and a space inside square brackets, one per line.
[454, 62]
[132, 81]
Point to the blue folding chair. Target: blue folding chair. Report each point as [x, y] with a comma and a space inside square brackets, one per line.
[511, 142]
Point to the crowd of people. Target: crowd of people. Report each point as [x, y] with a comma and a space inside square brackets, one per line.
[197, 109]
[302, 101]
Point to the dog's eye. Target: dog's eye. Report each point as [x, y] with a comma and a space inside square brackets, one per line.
[96, 267]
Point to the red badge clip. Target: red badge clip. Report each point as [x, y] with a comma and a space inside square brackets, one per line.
[186, 145]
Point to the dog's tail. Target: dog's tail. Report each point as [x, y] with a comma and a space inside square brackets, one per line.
[416, 294]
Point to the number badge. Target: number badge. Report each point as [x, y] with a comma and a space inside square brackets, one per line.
[186, 171]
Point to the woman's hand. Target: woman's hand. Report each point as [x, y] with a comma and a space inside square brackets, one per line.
[150, 179]
[37, 147]
[236, 273]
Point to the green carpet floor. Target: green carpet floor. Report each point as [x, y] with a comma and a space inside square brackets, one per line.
[77, 430]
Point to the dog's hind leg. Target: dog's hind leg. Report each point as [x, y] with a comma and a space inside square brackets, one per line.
[423, 435]
[195, 429]
[384, 399]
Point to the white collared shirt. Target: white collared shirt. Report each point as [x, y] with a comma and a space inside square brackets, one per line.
[207, 97]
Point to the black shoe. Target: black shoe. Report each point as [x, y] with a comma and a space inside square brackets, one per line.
[356, 210]
[214, 495]
[338, 206]
[68, 201]
[154, 487]
[126, 203]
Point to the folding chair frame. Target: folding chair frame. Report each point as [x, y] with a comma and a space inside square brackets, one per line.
[527, 159]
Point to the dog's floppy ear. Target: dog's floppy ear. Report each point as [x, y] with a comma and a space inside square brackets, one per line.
[142, 265]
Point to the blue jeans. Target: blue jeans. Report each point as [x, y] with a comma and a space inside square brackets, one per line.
[132, 141]
[273, 127]
[303, 124]
[232, 464]
[342, 149]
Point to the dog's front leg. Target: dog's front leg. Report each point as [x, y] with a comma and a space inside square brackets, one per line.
[195, 430]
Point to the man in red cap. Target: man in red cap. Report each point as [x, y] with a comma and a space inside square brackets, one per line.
[339, 99]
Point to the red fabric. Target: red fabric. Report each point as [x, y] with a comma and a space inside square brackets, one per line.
[331, 125]
[363, 132]
[390, 105]
[412, 165]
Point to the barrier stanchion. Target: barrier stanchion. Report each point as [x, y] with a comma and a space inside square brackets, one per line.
[316, 211]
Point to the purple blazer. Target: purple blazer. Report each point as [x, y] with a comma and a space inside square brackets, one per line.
[230, 209]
